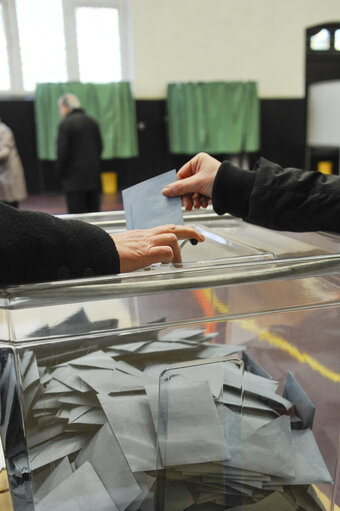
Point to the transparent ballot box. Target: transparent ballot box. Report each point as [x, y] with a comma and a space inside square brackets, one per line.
[210, 385]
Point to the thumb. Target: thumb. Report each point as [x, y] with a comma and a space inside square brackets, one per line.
[181, 187]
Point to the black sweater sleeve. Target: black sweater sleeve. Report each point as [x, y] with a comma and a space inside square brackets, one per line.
[36, 247]
[283, 199]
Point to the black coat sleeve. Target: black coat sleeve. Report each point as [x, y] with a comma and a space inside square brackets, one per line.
[283, 199]
[100, 141]
[36, 247]
[63, 148]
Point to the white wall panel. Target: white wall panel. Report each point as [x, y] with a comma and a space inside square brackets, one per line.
[191, 40]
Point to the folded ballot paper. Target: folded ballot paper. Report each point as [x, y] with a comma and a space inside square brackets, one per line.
[145, 206]
[165, 420]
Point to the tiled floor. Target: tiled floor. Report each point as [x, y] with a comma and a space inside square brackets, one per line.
[56, 204]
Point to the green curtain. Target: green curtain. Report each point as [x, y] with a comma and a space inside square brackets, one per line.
[111, 104]
[215, 117]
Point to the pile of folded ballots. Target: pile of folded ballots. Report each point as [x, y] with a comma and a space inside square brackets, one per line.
[166, 420]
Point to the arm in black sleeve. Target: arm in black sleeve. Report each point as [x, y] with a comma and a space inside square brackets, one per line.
[100, 141]
[282, 199]
[63, 147]
[36, 247]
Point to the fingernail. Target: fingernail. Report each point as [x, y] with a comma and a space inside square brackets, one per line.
[165, 189]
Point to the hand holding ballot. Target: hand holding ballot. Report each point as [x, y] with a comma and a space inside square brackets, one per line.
[284, 199]
[139, 248]
[195, 181]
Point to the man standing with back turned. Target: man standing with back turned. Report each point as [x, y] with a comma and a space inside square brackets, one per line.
[79, 149]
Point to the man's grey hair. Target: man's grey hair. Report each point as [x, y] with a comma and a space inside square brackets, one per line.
[69, 100]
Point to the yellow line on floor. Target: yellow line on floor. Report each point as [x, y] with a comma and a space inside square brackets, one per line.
[282, 344]
[325, 500]
[274, 339]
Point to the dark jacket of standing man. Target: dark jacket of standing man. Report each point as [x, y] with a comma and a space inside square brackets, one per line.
[79, 150]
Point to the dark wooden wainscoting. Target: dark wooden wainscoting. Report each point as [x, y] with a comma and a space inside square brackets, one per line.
[282, 141]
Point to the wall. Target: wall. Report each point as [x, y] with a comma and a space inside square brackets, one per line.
[192, 40]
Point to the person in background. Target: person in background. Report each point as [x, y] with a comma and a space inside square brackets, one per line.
[38, 247]
[12, 178]
[285, 199]
[79, 148]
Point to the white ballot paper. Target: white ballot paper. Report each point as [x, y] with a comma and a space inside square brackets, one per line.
[130, 419]
[146, 207]
[145, 483]
[82, 491]
[56, 449]
[62, 472]
[185, 403]
[107, 459]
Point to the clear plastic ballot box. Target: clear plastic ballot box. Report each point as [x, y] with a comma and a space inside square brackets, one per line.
[210, 385]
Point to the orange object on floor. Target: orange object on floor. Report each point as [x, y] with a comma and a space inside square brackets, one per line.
[203, 297]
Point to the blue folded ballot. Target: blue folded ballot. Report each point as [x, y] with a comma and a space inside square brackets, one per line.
[146, 207]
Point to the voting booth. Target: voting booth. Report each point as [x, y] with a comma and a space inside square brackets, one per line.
[323, 125]
[208, 386]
